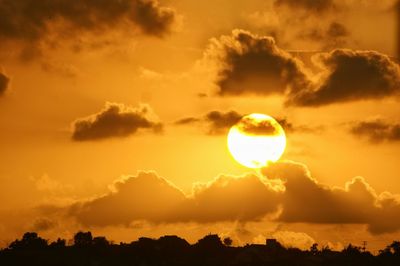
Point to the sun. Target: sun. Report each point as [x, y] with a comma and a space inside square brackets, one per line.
[256, 140]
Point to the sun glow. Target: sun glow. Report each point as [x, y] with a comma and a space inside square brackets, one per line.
[256, 140]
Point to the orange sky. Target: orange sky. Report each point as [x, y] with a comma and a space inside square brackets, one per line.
[92, 94]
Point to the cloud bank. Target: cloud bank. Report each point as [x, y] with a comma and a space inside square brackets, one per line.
[287, 193]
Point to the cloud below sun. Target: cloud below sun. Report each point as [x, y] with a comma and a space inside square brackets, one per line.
[285, 193]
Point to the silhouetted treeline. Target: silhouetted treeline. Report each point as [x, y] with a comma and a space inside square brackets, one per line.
[172, 250]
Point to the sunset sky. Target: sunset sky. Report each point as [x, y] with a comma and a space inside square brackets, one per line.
[114, 117]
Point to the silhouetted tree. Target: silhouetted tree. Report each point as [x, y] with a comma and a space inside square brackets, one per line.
[210, 242]
[325, 249]
[210, 251]
[146, 241]
[228, 241]
[100, 241]
[83, 239]
[352, 249]
[59, 243]
[172, 243]
[395, 246]
[32, 250]
[30, 240]
[314, 249]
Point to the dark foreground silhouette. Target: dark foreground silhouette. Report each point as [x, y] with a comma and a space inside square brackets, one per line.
[172, 250]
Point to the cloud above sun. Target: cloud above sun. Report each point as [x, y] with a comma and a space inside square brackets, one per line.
[219, 123]
[37, 24]
[310, 5]
[249, 64]
[373, 76]
[115, 120]
[376, 130]
[20, 21]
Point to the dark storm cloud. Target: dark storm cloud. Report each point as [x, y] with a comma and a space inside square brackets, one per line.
[218, 122]
[253, 127]
[59, 68]
[376, 130]
[31, 20]
[311, 5]
[250, 64]
[289, 193]
[337, 29]
[289, 127]
[115, 120]
[317, 24]
[43, 224]
[151, 18]
[349, 76]
[221, 122]
[4, 82]
[187, 120]
[334, 35]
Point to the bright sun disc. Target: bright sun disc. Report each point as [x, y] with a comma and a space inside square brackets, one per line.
[256, 140]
